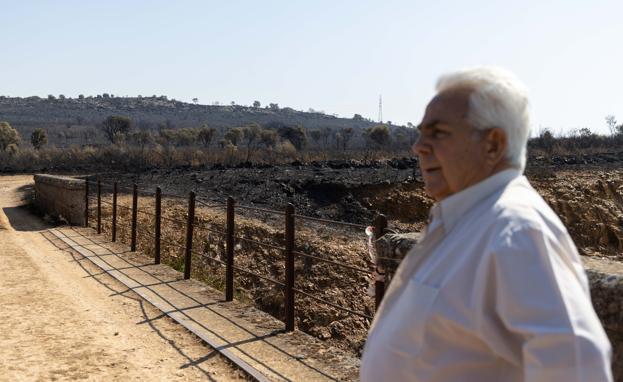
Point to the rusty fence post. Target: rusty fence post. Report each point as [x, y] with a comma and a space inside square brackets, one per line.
[157, 227]
[134, 214]
[99, 206]
[229, 270]
[189, 234]
[114, 212]
[380, 225]
[289, 254]
[86, 201]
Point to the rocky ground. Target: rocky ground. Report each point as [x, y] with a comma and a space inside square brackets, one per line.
[585, 191]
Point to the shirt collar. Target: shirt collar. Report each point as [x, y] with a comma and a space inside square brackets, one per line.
[452, 208]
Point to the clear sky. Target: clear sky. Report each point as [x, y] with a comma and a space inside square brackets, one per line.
[336, 56]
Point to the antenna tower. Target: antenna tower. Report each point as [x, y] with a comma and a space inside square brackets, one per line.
[380, 109]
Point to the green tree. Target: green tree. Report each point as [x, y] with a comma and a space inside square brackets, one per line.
[185, 136]
[8, 136]
[296, 135]
[141, 138]
[38, 138]
[316, 135]
[547, 141]
[269, 138]
[585, 132]
[404, 137]
[257, 104]
[347, 135]
[234, 135]
[166, 136]
[325, 133]
[251, 135]
[206, 134]
[115, 126]
[378, 135]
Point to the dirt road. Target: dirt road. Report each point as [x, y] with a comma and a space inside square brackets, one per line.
[61, 319]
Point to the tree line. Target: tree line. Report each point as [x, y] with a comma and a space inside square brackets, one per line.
[252, 136]
[124, 146]
[129, 147]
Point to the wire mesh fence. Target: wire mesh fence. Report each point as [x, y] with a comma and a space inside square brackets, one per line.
[218, 246]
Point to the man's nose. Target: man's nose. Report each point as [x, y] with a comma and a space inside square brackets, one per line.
[420, 147]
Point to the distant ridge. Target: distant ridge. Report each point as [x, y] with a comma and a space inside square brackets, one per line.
[155, 112]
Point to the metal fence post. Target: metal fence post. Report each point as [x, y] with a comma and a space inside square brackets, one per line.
[229, 270]
[99, 207]
[157, 228]
[134, 213]
[86, 201]
[289, 254]
[380, 224]
[114, 212]
[189, 234]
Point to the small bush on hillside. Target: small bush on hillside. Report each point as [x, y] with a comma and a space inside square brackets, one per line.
[38, 138]
[115, 127]
[377, 136]
[8, 136]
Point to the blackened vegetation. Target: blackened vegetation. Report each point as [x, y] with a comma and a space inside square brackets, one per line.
[346, 190]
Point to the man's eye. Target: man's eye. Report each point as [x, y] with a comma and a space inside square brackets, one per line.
[439, 134]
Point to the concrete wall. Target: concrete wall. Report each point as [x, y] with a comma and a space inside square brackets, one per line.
[60, 195]
[605, 279]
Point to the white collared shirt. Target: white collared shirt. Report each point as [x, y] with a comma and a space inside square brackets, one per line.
[495, 291]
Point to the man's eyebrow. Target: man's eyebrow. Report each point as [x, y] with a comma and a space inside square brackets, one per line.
[429, 125]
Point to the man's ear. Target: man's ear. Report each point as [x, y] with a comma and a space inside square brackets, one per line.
[496, 145]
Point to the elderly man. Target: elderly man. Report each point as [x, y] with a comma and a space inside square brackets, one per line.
[495, 290]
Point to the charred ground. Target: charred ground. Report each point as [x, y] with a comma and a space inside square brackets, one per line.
[585, 191]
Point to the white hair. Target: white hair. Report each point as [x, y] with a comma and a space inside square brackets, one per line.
[497, 99]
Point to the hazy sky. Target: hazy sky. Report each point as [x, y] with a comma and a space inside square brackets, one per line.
[336, 56]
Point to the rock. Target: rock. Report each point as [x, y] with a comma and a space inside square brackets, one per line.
[392, 248]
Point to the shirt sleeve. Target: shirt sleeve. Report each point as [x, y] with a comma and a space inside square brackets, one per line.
[543, 313]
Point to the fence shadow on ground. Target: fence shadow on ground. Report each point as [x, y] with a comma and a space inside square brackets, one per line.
[146, 319]
[100, 249]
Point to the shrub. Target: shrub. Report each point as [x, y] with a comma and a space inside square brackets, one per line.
[38, 138]
[205, 135]
[287, 150]
[234, 135]
[377, 136]
[115, 127]
[296, 135]
[8, 136]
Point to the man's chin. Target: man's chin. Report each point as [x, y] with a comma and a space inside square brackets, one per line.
[435, 190]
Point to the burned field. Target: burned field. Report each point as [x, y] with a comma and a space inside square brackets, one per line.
[340, 190]
[586, 194]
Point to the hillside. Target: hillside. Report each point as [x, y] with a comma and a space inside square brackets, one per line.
[151, 113]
